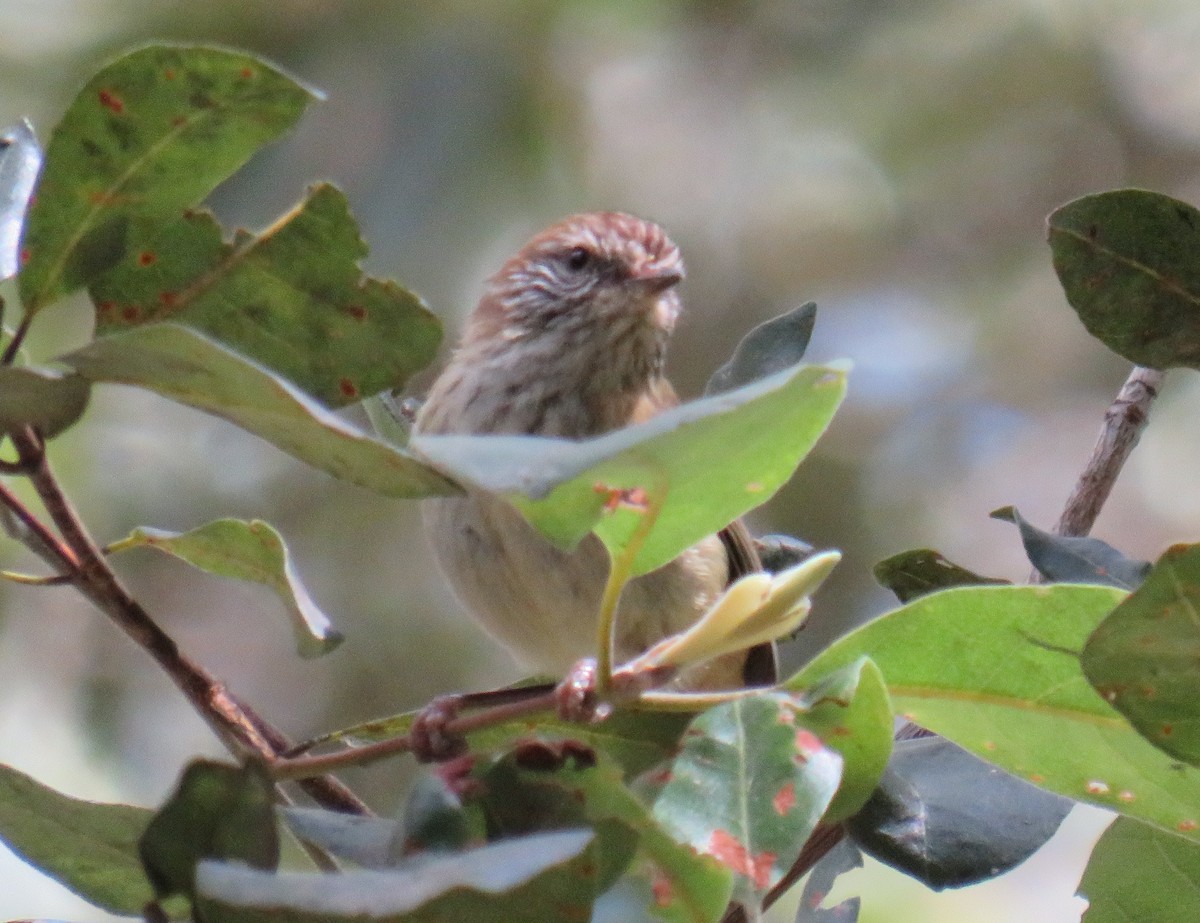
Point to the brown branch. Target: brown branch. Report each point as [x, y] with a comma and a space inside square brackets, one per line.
[236, 724]
[1123, 424]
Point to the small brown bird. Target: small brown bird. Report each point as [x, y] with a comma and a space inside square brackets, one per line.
[569, 341]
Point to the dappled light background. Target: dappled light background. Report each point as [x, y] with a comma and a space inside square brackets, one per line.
[893, 162]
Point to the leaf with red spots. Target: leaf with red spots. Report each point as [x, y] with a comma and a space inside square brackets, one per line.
[701, 459]
[1143, 658]
[850, 711]
[20, 160]
[190, 368]
[995, 669]
[1138, 874]
[151, 134]
[634, 854]
[1127, 261]
[546, 876]
[292, 298]
[739, 764]
[246, 551]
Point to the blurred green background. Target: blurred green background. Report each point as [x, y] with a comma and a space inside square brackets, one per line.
[892, 161]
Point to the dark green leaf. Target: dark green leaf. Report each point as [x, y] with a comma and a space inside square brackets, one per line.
[1075, 559]
[995, 670]
[292, 299]
[1127, 261]
[1143, 658]
[190, 368]
[749, 785]
[246, 551]
[910, 574]
[91, 848]
[43, 398]
[710, 460]
[780, 552]
[150, 135]
[770, 347]
[20, 160]
[948, 820]
[1138, 874]
[218, 811]
[851, 712]
[550, 876]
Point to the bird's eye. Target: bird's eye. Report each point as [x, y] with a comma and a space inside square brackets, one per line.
[578, 258]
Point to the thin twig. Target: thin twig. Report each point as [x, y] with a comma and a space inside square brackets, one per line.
[14, 345]
[304, 766]
[235, 723]
[1124, 421]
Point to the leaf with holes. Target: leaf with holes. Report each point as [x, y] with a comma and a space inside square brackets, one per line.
[1127, 261]
[1075, 559]
[749, 785]
[1138, 874]
[251, 551]
[1143, 657]
[151, 134]
[707, 461]
[190, 368]
[996, 670]
[910, 574]
[292, 299]
[91, 848]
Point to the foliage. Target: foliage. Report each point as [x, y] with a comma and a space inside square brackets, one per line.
[672, 807]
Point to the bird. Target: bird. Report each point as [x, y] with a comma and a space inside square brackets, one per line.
[569, 340]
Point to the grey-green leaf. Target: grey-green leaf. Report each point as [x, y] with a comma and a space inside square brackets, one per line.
[46, 399]
[247, 551]
[192, 369]
[770, 347]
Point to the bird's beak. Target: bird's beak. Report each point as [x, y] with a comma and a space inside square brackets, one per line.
[655, 279]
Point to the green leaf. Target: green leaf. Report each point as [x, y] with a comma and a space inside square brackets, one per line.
[46, 399]
[544, 787]
[1143, 657]
[148, 136]
[850, 711]
[910, 574]
[749, 785]
[770, 347]
[20, 161]
[292, 299]
[994, 669]
[1127, 261]
[711, 460]
[90, 848]
[217, 811]
[1138, 874]
[190, 368]
[1075, 558]
[246, 551]
[532, 879]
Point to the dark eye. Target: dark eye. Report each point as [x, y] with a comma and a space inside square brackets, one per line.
[578, 258]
